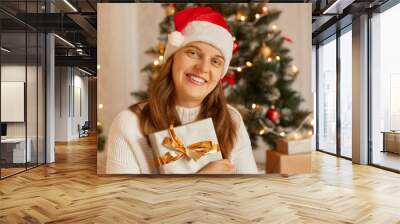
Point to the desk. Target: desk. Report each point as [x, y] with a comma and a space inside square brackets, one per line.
[391, 141]
[15, 148]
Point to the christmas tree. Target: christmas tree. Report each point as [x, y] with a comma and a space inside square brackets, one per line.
[260, 75]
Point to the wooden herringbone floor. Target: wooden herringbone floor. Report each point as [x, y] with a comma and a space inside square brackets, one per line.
[69, 191]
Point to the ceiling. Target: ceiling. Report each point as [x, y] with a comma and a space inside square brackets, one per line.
[76, 22]
[72, 20]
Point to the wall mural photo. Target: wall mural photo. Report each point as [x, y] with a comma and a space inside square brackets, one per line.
[203, 88]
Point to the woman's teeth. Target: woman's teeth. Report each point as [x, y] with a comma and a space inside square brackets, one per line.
[197, 80]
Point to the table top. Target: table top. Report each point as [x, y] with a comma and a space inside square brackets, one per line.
[13, 140]
[391, 132]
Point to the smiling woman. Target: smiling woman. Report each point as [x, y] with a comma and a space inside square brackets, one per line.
[187, 89]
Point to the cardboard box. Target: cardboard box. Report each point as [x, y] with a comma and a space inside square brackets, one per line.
[286, 146]
[287, 164]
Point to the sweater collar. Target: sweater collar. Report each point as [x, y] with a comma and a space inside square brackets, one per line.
[187, 114]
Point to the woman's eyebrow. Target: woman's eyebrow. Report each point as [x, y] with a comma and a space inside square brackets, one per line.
[219, 56]
[188, 46]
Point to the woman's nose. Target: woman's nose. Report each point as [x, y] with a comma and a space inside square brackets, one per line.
[203, 66]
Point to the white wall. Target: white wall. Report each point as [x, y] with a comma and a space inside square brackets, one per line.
[295, 22]
[67, 115]
[125, 31]
[80, 117]
[61, 103]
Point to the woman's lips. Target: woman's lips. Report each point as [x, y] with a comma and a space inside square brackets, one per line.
[196, 80]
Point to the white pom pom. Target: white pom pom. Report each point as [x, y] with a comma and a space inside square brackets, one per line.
[175, 39]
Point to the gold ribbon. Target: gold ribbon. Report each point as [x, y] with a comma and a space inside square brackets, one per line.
[194, 151]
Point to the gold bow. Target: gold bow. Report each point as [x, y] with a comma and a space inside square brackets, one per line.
[194, 151]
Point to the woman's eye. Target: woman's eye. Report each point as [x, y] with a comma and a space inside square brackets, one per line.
[217, 62]
[192, 53]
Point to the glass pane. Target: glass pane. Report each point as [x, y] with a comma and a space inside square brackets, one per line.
[386, 89]
[346, 94]
[327, 97]
[31, 100]
[31, 86]
[13, 87]
[41, 98]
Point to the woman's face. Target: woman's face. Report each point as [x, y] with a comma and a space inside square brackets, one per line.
[197, 68]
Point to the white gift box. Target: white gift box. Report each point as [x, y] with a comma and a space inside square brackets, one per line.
[294, 146]
[189, 133]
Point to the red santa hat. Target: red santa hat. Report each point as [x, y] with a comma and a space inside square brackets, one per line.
[201, 23]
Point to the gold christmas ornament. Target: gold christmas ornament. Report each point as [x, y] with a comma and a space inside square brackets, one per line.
[154, 76]
[161, 47]
[265, 50]
[265, 9]
[169, 10]
[262, 9]
[240, 16]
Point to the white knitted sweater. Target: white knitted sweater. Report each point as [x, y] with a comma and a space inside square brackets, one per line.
[127, 151]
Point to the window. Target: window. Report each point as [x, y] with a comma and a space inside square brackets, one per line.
[346, 93]
[385, 89]
[327, 96]
[330, 133]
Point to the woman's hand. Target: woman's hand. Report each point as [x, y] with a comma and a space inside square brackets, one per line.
[222, 166]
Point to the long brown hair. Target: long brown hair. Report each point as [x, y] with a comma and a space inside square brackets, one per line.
[159, 111]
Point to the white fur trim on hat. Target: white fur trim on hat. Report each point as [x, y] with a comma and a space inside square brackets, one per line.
[205, 32]
[175, 39]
